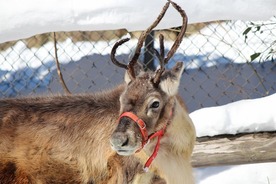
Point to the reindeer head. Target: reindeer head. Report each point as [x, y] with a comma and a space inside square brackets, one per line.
[147, 103]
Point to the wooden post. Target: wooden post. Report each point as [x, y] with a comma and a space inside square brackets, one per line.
[235, 149]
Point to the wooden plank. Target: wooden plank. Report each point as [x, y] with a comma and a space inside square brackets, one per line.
[235, 149]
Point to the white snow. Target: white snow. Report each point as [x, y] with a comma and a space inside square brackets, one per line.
[233, 118]
[21, 19]
[241, 174]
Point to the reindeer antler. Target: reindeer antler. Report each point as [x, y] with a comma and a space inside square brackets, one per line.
[161, 58]
[130, 66]
[113, 52]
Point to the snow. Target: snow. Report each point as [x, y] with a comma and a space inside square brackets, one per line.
[242, 116]
[242, 174]
[36, 16]
[21, 19]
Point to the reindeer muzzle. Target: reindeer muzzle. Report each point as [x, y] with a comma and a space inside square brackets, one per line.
[141, 124]
[146, 138]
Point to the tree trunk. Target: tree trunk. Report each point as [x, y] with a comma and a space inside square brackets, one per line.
[235, 149]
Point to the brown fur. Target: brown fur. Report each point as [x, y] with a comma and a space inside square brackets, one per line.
[62, 139]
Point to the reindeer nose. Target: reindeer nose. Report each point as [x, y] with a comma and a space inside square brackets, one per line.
[119, 140]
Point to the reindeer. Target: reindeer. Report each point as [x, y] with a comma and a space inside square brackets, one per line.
[72, 138]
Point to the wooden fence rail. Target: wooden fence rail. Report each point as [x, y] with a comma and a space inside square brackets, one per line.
[235, 149]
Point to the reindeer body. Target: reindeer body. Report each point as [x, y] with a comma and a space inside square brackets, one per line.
[62, 139]
[65, 139]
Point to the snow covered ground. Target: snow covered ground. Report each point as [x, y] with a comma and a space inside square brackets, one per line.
[242, 174]
[32, 17]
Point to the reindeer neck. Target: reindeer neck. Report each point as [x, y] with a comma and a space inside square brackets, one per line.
[173, 159]
[181, 132]
[178, 144]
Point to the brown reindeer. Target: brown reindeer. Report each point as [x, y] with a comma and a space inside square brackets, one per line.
[155, 125]
[66, 139]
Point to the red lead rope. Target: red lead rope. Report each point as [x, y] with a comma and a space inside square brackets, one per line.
[146, 138]
[159, 134]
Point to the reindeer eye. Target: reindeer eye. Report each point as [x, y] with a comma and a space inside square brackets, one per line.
[154, 105]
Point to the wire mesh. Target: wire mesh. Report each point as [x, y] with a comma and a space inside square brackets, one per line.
[224, 61]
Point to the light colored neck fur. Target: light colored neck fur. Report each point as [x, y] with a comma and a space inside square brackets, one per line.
[173, 159]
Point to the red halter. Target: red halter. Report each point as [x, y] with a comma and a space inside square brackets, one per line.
[142, 126]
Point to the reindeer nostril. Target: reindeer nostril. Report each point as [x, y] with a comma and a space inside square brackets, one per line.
[126, 142]
[120, 140]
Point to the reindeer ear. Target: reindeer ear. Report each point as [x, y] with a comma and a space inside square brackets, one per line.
[169, 81]
[138, 68]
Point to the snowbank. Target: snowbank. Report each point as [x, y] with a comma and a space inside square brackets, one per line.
[241, 116]
[21, 19]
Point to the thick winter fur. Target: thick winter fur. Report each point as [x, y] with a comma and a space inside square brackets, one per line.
[157, 105]
[173, 160]
[62, 139]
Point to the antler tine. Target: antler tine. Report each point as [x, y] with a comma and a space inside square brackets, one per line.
[181, 34]
[160, 57]
[113, 52]
[162, 50]
[142, 39]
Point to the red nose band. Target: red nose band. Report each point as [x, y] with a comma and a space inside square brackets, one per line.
[141, 124]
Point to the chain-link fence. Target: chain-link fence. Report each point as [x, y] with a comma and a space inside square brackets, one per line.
[225, 61]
